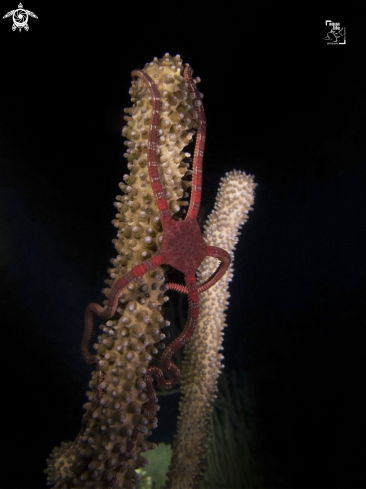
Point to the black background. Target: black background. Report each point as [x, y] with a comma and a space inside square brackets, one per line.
[281, 105]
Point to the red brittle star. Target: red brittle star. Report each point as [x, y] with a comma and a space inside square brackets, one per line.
[183, 248]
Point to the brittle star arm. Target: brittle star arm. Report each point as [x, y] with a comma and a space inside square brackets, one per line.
[195, 201]
[106, 312]
[157, 188]
[225, 260]
[152, 166]
[110, 308]
[155, 372]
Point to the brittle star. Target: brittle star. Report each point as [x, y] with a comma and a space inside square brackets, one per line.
[183, 248]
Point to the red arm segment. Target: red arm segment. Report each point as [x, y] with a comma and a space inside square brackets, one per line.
[151, 148]
[194, 204]
[110, 308]
[225, 259]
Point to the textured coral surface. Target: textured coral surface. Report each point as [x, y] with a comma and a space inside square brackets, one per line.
[203, 360]
[132, 337]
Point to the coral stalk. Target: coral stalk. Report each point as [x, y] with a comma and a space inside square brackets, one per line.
[203, 362]
[100, 456]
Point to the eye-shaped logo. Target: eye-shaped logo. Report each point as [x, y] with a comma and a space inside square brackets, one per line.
[20, 17]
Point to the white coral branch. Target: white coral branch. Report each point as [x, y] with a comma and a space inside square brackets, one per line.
[203, 361]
